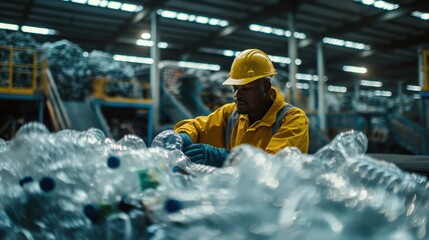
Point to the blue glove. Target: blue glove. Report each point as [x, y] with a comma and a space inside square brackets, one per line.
[206, 154]
[186, 139]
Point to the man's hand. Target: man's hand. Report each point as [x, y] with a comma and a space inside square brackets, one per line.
[206, 154]
[186, 139]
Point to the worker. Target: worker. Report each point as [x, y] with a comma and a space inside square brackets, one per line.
[259, 116]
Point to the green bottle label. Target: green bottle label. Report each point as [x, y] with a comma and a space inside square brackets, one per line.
[148, 178]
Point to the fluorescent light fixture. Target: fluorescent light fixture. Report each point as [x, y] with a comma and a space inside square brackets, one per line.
[274, 58]
[149, 43]
[354, 69]
[114, 5]
[228, 53]
[370, 83]
[9, 26]
[339, 89]
[79, 1]
[275, 31]
[37, 30]
[133, 59]
[94, 2]
[345, 43]
[382, 93]
[298, 85]
[302, 85]
[130, 7]
[192, 18]
[379, 4]
[145, 35]
[205, 66]
[127, 7]
[414, 88]
[306, 77]
[421, 15]
[162, 44]
[104, 3]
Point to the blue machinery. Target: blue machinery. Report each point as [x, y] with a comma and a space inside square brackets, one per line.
[22, 92]
[101, 100]
[14, 87]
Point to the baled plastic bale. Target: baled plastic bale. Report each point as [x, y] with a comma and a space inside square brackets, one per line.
[121, 75]
[69, 68]
[22, 76]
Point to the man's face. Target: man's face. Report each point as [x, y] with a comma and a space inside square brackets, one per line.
[250, 97]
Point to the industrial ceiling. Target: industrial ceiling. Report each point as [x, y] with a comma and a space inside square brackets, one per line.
[394, 37]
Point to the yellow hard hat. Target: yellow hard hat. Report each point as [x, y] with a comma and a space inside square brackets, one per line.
[248, 66]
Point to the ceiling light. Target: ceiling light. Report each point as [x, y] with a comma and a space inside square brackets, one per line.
[145, 35]
[414, 88]
[79, 1]
[302, 85]
[127, 7]
[382, 93]
[228, 53]
[205, 66]
[276, 59]
[202, 20]
[379, 4]
[104, 3]
[275, 31]
[347, 44]
[114, 5]
[354, 69]
[133, 59]
[162, 44]
[370, 83]
[192, 18]
[8, 26]
[421, 15]
[37, 30]
[94, 2]
[339, 89]
[130, 7]
[306, 77]
[149, 43]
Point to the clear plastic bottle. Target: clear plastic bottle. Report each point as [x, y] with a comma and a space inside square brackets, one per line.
[168, 139]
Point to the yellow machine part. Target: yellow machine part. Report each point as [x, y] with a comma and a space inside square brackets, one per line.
[9, 66]
[425, 70]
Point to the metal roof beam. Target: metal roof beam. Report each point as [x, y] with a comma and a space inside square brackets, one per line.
[270, 11]
[383, 48]
[148, 9]
[26, 13]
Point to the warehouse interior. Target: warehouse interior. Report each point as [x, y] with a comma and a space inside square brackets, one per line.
[90, 90]
[372, 55]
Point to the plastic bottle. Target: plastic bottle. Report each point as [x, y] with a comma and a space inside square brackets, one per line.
[168, 139]
[132, 142]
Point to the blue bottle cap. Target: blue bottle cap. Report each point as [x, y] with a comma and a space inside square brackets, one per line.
[25, 180]
[47, 184]
[113, 162]
[91, 211]
[173, 205]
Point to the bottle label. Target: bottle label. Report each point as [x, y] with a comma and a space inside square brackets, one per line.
[148, 178]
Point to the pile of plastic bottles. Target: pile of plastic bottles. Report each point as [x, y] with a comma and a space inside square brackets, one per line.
[82, 185]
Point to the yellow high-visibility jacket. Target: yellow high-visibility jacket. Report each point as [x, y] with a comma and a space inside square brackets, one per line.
[210, 129]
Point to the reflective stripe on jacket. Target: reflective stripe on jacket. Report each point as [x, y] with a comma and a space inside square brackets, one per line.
[293, 130]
